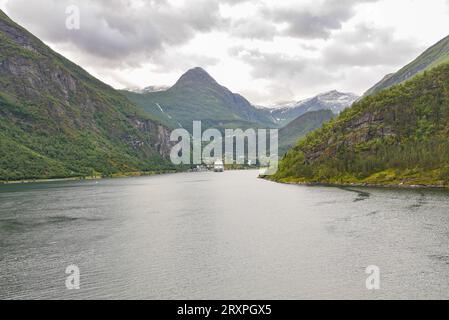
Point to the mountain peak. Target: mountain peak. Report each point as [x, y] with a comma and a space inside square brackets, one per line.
[196, 76]
[197, 70]
[331, 92]
[334, 94]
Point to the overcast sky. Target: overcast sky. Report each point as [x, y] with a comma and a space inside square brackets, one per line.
[269, 51]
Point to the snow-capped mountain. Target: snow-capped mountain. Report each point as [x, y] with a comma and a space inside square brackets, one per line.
[148, 89]
[333, 100]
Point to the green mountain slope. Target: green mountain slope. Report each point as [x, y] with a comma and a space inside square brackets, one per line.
[58, 121]
[297, 129]
[432, 57]
[197, 96]
[398, 136]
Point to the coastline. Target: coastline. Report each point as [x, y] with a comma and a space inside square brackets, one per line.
[362, 185]
[89, 178]
[300, 183]
[114, 176]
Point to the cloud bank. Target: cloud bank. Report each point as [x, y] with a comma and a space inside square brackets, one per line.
[268, 50]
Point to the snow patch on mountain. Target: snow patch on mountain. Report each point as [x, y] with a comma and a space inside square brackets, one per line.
[332, 100]
[148, 89]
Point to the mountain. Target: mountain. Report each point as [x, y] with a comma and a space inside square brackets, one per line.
[57, 121]
[332, 100]
[197, 96]
[432, 57]
[300, 127]
[399, 136]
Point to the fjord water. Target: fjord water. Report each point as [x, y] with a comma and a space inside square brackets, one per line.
[221, 236]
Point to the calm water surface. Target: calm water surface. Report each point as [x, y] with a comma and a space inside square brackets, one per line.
[221, 236]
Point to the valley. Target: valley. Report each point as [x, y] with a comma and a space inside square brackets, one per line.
[60, 122]
[222, 149]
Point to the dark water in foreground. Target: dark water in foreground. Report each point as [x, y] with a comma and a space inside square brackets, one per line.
[221, 236]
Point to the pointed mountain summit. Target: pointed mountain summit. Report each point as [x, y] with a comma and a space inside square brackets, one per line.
[197, 96]
[196, 77]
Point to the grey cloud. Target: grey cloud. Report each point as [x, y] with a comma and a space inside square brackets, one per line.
[347, 62]
[288, 74]
[236, 2]
[266, 95]
[267, 65]
[120, 34]
[255, 28]
[363, 47]
[316, 22]
[181, 62]
[366, 46]
[114, 30]
[117, 35]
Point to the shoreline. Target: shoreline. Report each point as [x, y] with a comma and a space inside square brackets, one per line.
[148, 174]
[89, 178]
[361, 185]
[114, 176]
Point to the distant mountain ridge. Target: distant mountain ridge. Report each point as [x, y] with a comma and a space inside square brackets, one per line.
[432, 57]
[300, 127]
[334, 101]
[198, 96]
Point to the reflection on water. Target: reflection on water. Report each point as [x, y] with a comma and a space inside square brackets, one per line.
[361, 194]
[221, 236]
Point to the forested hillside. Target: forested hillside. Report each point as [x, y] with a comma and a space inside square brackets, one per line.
[398, 136]
[58, 121]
